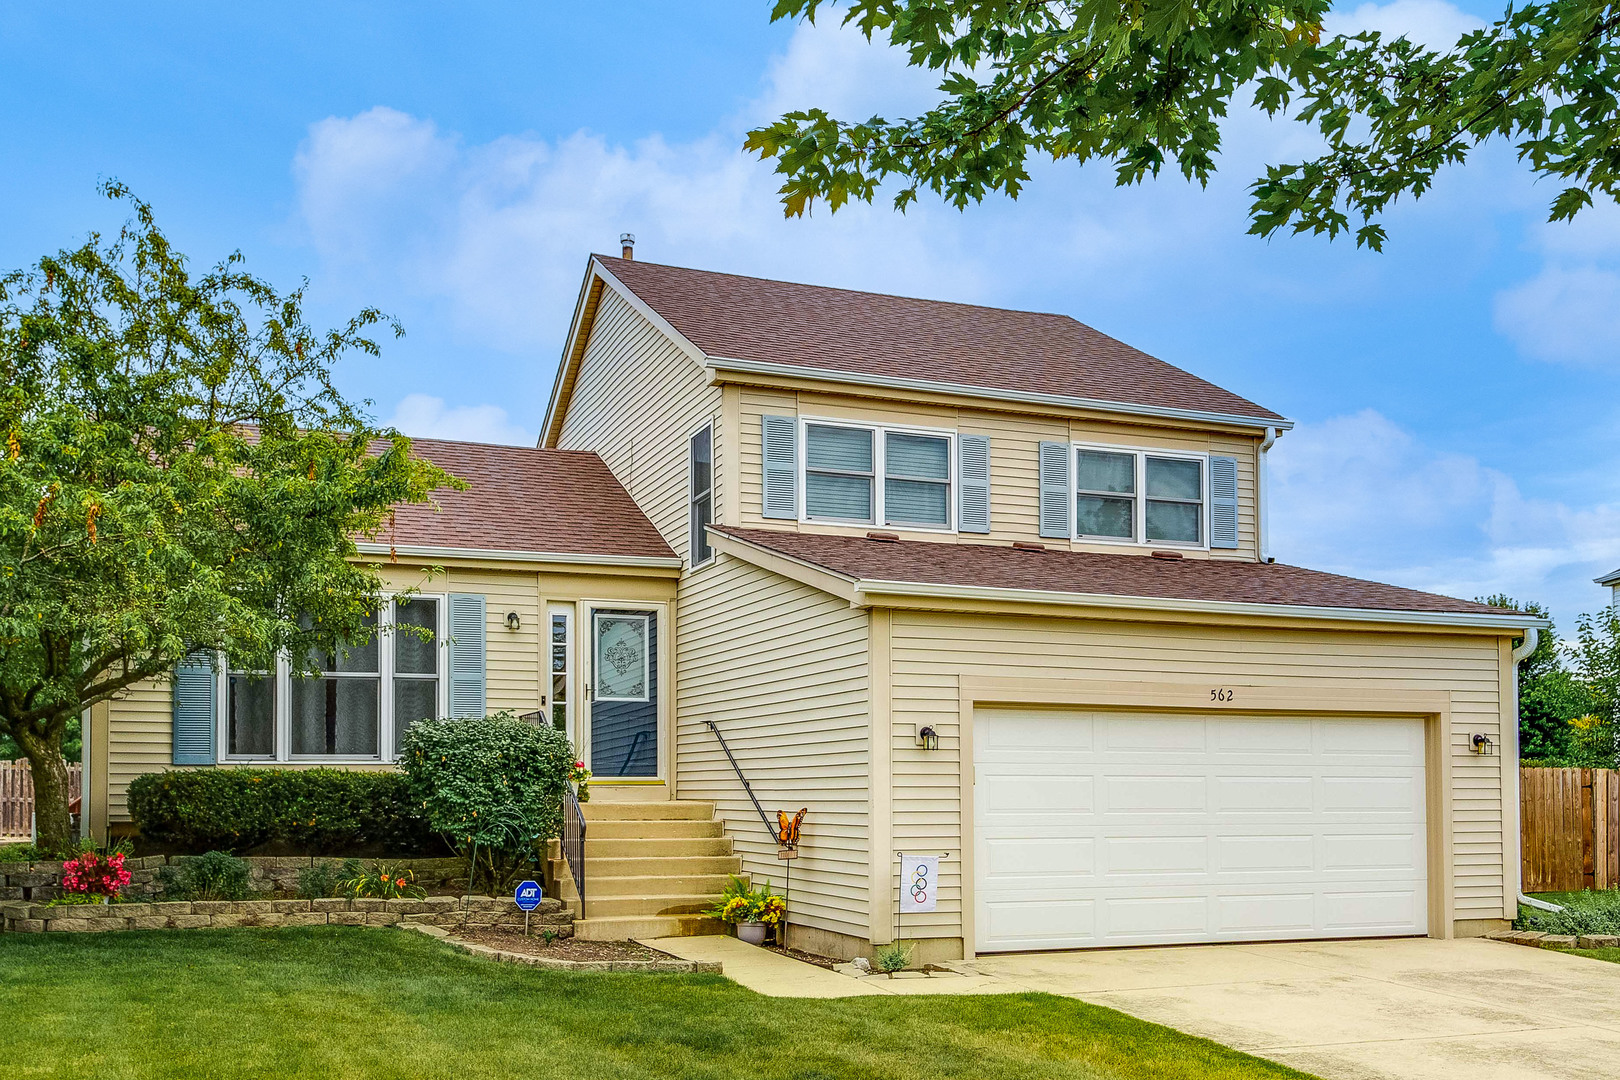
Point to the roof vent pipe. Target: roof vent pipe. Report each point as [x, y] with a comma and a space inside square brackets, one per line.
[627, 245]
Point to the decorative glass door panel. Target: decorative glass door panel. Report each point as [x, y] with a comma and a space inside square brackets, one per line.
[624, 694]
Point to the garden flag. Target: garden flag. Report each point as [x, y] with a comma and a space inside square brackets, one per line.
[919, 878]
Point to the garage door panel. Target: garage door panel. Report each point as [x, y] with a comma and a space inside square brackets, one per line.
[1234, 829]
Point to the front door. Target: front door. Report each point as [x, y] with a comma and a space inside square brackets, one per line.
[624, 694]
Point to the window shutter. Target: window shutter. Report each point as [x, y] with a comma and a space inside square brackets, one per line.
[781, 454]
[196, 709]
[973, 477]
[1223, 502]
[467, 629]
[1056, 498]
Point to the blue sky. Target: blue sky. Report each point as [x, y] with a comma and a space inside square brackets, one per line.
[1457, 396]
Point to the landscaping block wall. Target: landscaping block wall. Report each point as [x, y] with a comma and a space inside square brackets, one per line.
[445, 912]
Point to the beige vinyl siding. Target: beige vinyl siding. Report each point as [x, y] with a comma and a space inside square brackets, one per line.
[636, 402]
[1015, 439]
[140, 740]
[782, 669]
[933, 651]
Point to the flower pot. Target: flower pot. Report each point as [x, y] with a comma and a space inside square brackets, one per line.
[752, 933]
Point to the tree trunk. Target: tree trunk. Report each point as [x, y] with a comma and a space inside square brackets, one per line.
[52, 790]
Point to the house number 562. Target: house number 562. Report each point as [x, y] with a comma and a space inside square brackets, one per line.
[1223, 695]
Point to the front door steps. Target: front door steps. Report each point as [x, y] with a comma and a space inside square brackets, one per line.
[650, 868]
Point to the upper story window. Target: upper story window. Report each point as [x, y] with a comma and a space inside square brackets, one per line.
[1136, 496]
[358, 706]
[702, 494]
[873, 475]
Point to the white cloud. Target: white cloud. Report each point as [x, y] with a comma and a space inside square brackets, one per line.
[1432, 23]
[425, 417]
[1570, 311]
[1360, 495]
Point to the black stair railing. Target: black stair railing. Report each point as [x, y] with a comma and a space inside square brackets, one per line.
[573, 843]
[746, 785]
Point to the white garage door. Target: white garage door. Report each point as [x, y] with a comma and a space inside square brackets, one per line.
[1098, 828]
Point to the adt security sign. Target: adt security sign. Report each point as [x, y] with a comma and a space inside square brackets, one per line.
[527, 896]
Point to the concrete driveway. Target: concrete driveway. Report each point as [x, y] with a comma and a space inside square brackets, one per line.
[1405, 1009]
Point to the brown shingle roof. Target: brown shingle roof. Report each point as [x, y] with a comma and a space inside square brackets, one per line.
[521, 499]
[998, 567]
[777, 322]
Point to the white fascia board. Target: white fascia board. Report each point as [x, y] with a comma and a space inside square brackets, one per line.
[718, 364]
[424, 551]
[1609, 579]
[867, 587]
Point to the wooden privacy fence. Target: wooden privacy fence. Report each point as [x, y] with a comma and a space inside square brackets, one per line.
[1570, 825]
[17, 798]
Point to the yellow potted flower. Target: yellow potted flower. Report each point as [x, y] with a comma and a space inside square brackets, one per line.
[752, 911]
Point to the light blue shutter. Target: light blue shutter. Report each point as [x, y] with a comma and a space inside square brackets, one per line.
[973, 477]
[196, 709]
[467, 654]
[779, 439]
[1223, 502]
[1056, 498]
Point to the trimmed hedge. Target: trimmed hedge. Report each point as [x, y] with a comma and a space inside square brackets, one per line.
[311, 811]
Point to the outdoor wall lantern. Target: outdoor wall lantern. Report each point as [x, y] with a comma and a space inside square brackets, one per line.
[1481, 743]
[928, 738]
[512, 620]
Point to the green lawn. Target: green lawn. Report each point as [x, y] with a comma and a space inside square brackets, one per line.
[345, 1002]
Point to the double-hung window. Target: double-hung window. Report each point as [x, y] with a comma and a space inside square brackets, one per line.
[359, 702]
[702, 494]
[1138, 496]
[871, 475]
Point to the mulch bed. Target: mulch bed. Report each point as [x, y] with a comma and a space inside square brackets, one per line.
[513, 941]
[808, 957]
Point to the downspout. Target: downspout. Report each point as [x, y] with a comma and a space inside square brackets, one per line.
[1260, 483]
[1532, 636]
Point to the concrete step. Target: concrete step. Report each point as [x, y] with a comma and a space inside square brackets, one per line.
[649, 884]
[647, 811]
[617, 829]
[675, 866]
[631, 927]
[647, 903]
[655, 847]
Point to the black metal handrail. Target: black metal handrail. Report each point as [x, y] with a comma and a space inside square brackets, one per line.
[746, 785]
[634, 744]
[573, 843]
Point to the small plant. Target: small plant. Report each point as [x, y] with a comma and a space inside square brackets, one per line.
[893, 957]
[21, 853]
[97, 876]
[1584, 913]
[383, 882]
[580, 777]
[76, 899]
[548, 935]
[325, 879]
[740, 903]
[217, 875]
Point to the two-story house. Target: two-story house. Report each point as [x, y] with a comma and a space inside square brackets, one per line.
[981, 584]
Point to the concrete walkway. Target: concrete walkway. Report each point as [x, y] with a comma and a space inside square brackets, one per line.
[1404, 1009]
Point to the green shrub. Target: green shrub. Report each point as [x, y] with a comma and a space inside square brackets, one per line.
[1584, 913]
[382, 882]
[311, 811]
[325, 879]
[20, 853]
[893, 957]
[492, 787]
[216, 875]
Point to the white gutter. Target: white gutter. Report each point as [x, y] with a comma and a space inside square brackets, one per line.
[501, 555]
[1261, 483]
[1461, 620]
[797, 371]
[1514, 837]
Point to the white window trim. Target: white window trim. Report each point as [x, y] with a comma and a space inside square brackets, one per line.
[1140, 497]
[691, 493]
[385, 696]
[646, 655]
[879, 466]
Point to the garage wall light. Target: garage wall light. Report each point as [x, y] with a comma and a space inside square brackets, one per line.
[1480, 743]
[928, 738]
[512, 620]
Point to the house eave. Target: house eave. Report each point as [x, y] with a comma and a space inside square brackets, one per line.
[430, 551]
[1609, 579]
[719, 365]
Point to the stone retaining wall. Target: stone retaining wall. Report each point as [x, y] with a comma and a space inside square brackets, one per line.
[446, 912]
[270, 873]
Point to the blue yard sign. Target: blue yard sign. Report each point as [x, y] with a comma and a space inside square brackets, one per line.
[527, 896]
